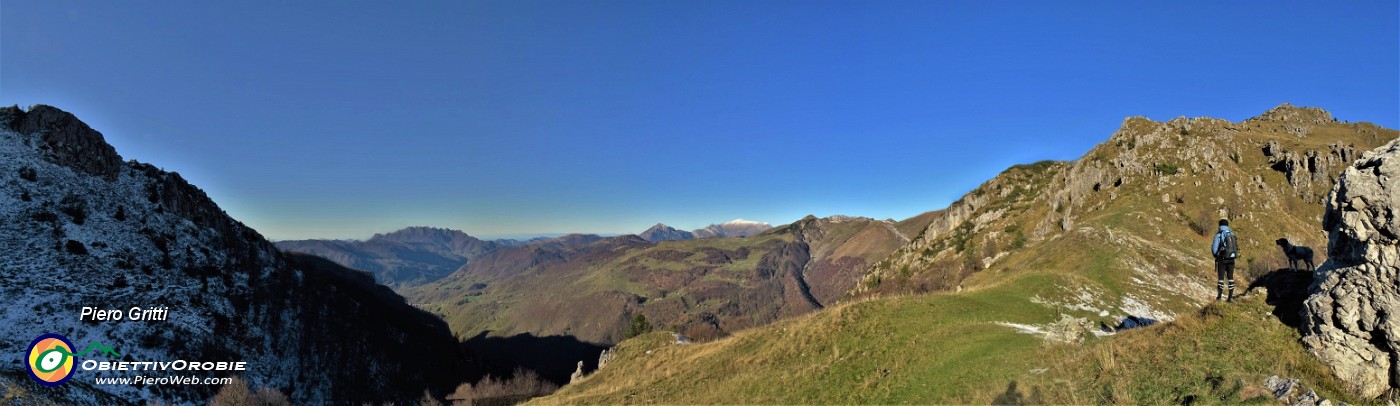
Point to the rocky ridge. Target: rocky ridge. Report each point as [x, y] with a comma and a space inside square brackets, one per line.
[1135, 211]
[1351, 320]
[77, 231]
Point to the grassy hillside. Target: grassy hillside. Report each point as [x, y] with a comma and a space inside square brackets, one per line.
[704, 288]
[1122, 231]
[949, 348]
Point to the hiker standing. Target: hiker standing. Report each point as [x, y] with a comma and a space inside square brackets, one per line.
[1225, 248]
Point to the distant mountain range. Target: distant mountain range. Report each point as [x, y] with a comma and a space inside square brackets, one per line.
[590, 288]
[417, 255]
[733, 228]
[408, 257]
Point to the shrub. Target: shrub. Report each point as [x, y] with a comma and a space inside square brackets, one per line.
[74, 206]
[1019, 241]
[428, 399]
[45, 216]
[237, 393]
[75, 247]
[28, 174]
[1258, 267]
[1202, 223]
[1167, 169]
[524, 385]
[121, 213]
[638, 326]
[25, 196]
[152, 192]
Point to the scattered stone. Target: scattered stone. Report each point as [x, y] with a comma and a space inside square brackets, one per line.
[1069, 330]
[1281, 388]
[1308, 399]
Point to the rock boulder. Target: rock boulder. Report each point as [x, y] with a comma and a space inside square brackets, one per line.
[1351, 319]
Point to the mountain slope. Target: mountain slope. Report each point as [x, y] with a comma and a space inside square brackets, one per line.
[704, 288]
[78, 227]
[661, 232]
[1122, 231]
[945, 349]
[408, 257]
[1133, 217]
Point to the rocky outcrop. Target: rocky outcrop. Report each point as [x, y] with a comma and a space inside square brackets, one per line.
[1310, 172]
[1350, 317]
[1295, 114]
[320, 332]
[69, 141]
[577, 375]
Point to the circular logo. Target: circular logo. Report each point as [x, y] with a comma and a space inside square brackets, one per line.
[50, 359]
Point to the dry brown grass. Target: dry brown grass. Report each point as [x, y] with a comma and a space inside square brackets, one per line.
[238, 393]
[523, 385]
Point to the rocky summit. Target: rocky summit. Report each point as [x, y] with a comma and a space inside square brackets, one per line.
[661, 232]
[1350, 318]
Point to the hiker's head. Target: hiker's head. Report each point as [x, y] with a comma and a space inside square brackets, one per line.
[1224, 222]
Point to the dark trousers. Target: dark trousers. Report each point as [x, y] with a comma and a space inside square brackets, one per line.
[1224, 276]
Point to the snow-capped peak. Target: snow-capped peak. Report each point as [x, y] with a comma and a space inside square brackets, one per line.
[740, 221]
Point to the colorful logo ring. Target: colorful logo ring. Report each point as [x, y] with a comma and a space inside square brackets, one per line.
[50, 359]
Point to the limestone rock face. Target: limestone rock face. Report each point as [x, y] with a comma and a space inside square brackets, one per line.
[1351, 319]
[69, 141]
[1310, 172]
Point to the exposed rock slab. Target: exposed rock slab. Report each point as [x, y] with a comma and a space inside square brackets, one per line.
[1350, 317]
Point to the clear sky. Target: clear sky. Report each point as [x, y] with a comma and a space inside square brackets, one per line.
[342, 119]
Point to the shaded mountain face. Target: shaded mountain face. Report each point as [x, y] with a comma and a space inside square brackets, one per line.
[80, 228]
[662, 232]
[705, 288]
[408, 257]
[734, 228]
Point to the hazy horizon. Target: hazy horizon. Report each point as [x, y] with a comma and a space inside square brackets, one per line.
[539, 117]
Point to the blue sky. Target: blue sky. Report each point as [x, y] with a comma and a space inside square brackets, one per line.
[342, 119]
